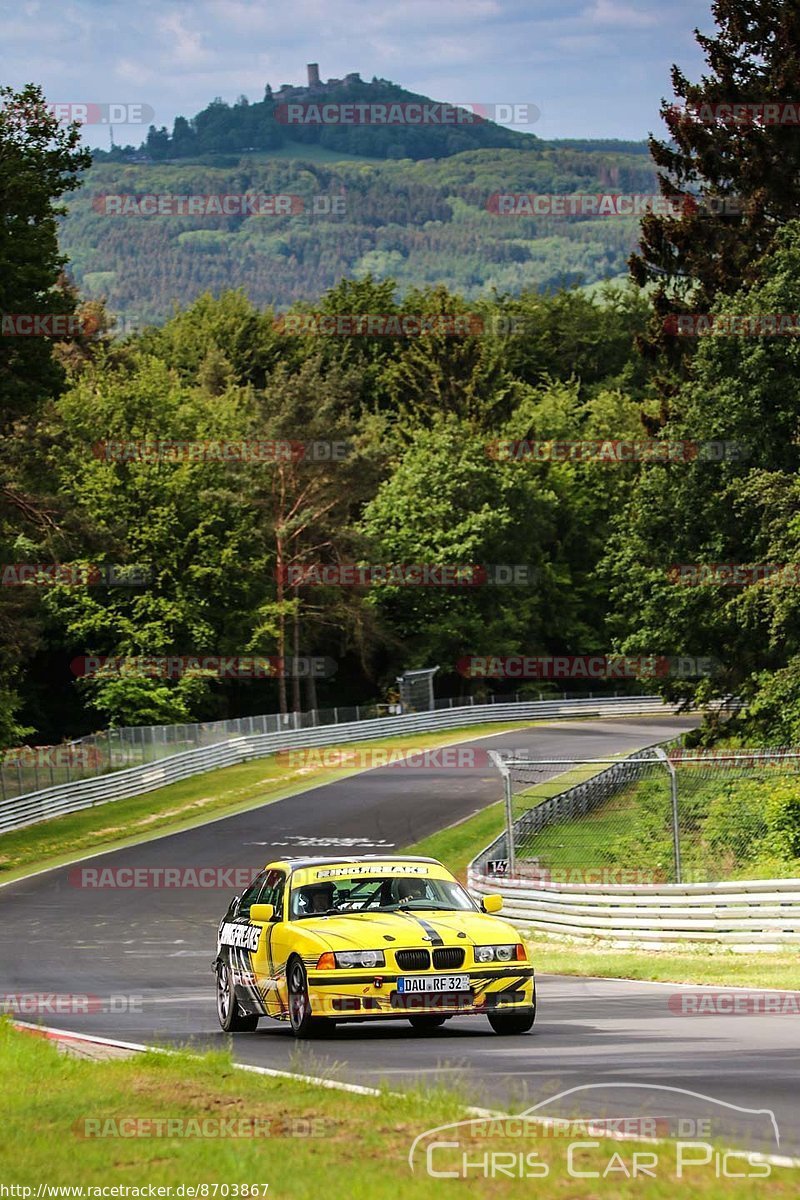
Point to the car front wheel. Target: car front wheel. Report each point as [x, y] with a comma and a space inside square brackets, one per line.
[231, 1017]
[512, 1022]
[300, 1018]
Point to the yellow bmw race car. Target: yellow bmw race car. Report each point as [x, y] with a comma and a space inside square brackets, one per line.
[314, 941]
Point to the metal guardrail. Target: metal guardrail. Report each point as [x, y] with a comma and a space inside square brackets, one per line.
[748, 915]
[28, 809]
[25, 769]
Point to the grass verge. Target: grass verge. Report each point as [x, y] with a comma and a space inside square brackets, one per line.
[193, 801]
[704, 965]
[458, 844]
[311, 1141]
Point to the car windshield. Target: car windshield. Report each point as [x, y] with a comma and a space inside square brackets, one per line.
[377, 893]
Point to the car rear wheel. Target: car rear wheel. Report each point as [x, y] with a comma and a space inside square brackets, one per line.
[300, 1018]
[512, 1022]
[231, 1017]
[425, 1023]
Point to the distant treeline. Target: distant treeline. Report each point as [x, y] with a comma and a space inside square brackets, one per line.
[420, 223]
[224, 129]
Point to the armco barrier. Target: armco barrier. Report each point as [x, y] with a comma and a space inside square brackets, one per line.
[745, 915]
[28, 809]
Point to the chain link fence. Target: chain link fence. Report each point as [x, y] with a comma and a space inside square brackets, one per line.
[31, 768]
[658, 816]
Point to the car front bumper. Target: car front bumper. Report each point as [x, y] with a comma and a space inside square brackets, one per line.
[368, 995]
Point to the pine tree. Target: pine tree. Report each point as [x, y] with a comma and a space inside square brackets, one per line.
[743, 166]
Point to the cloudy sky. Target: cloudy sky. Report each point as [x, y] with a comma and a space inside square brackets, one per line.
[594, 68]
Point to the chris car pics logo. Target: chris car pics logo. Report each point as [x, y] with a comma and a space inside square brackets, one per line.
[590, 1132]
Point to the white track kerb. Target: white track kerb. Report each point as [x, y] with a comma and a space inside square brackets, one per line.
[64, 1037]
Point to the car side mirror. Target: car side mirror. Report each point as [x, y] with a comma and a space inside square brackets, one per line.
[262, 913]
[492, 904]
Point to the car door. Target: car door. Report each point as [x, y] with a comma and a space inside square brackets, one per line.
[240, 941]
[269, 961]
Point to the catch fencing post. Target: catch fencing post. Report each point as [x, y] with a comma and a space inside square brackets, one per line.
[676, 829]
[497, 759]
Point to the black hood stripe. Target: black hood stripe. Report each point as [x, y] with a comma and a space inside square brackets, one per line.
[433, 934]
[434, 937]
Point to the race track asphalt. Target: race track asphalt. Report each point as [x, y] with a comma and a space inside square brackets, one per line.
[145, 954]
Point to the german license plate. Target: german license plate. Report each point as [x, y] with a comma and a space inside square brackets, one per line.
[433, 983]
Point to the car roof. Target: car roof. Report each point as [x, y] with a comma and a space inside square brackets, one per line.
[298, 864]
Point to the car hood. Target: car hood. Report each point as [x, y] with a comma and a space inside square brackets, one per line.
[398, 931]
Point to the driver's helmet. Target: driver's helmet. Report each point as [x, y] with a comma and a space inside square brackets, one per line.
[410, 889]
[318, 898]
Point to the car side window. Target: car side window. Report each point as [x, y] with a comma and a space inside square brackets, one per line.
[274, 887]
[252, 895]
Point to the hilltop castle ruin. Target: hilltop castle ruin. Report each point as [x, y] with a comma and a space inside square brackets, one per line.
[289, 91]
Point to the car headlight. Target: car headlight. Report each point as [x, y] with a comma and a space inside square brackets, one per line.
[484, 954]
[360, 958]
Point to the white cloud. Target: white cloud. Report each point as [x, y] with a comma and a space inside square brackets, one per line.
[591, 64]
[620, 15]
[182, 45]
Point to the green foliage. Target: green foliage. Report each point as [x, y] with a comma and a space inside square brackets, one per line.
[446, 502]
[732, 826]
[221, 128]
[418, 485]
[743, 390]
[39, 164]
[11, 731]
[753, 58]
[783, 821]
[422, 224]
[141, 700]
